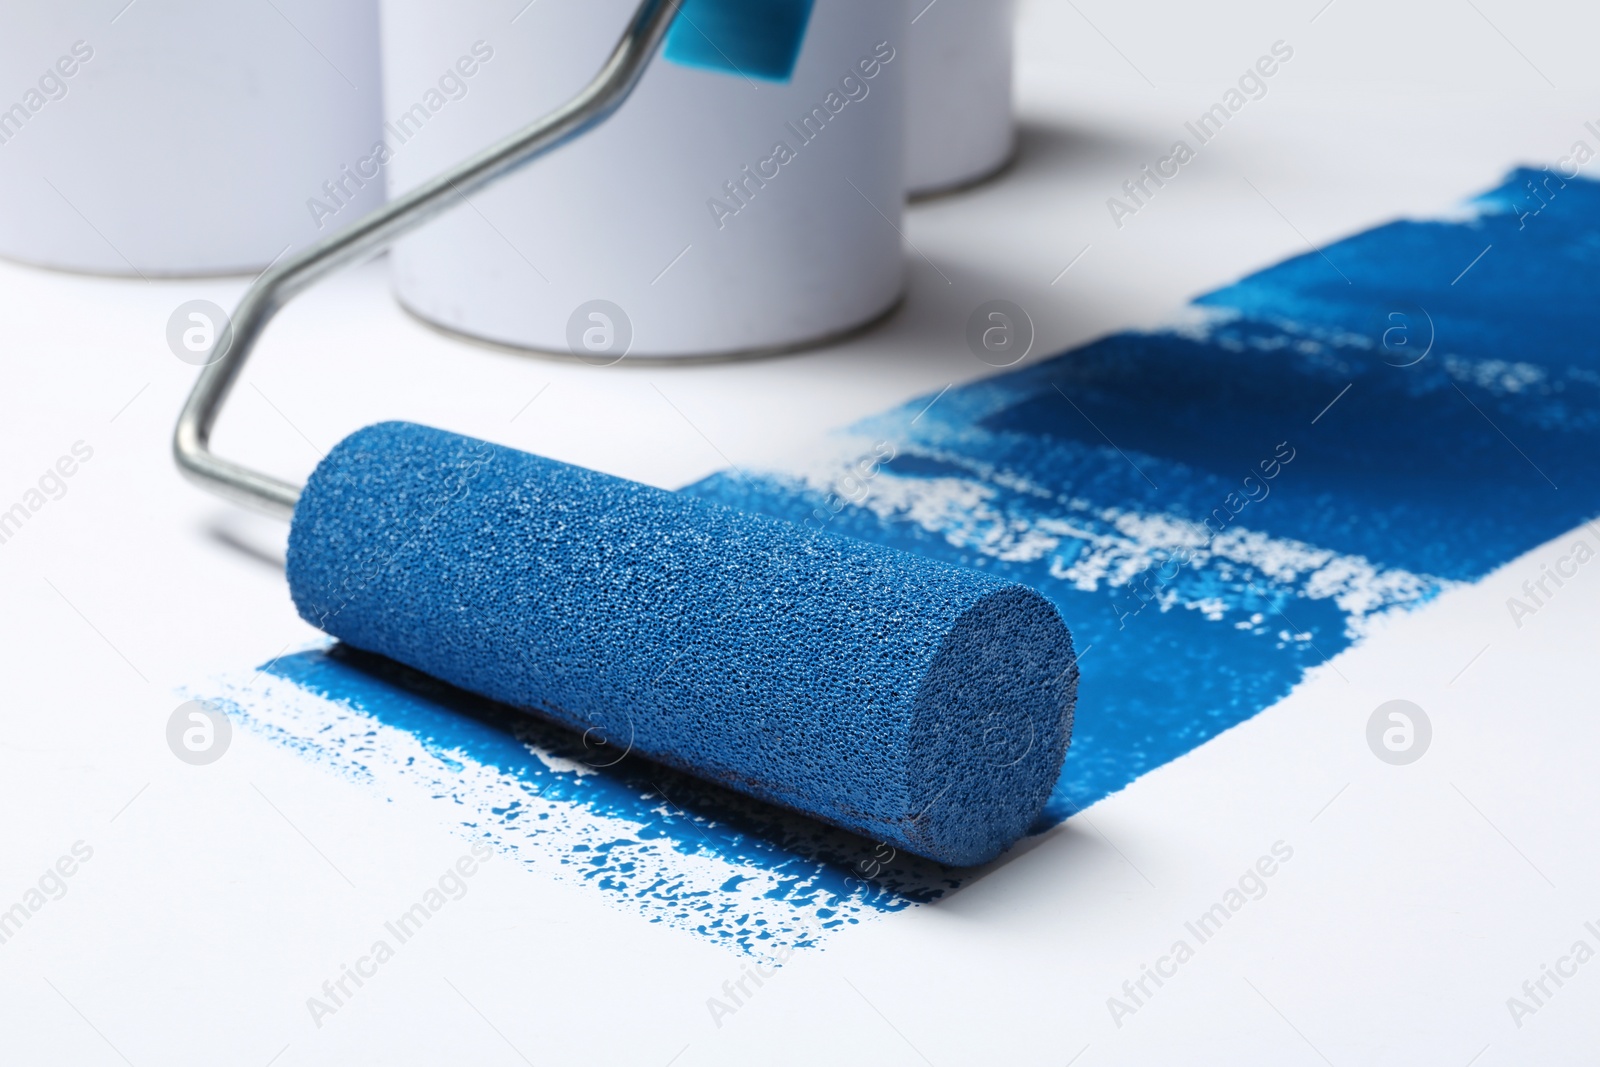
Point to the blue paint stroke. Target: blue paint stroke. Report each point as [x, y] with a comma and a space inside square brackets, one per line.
[1403, 403]
[751, 38]
[763, 877]
[1423, 472]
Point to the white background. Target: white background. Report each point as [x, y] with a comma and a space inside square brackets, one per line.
[219, 898]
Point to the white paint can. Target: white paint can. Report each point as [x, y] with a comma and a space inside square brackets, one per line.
[958, 98]
[179, 137]
[716, 213]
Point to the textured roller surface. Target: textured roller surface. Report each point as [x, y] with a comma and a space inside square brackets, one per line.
[913, 702]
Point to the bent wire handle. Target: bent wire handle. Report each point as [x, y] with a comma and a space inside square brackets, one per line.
[191, 441]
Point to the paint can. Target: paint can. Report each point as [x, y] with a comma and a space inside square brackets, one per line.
[958, 96]
[728, 207]
[179, 137]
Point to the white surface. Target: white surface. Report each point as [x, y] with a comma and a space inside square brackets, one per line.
[1404, 921]
[193, 137]
[958, 92]
[805, 245]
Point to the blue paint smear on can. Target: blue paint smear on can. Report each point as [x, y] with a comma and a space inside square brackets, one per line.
[1336, 438]
[752, 38]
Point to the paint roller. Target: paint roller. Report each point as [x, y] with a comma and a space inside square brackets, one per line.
[911, 701]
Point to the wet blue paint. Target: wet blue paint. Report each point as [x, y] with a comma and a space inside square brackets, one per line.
[1417, 477]
[754, 38]
[829, 874]
[1389, 486]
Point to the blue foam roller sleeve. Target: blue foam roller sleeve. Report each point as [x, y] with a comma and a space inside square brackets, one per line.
[745, 38]
[911, 701]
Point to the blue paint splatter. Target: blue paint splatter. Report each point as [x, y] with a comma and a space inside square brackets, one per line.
[674, 848]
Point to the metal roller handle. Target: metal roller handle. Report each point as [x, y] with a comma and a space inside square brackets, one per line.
[191, 442]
